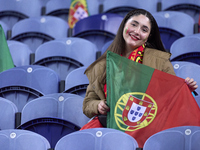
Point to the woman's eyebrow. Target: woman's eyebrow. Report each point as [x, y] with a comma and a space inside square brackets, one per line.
[134, 21]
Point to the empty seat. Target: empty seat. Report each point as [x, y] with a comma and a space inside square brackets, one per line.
[15, 139]
[186, 49]
[178, 138]
[35, 31]
[191, 7]
[6, 28]
[122, 7]
[76, 82]
[12, 11]
[25, 83]
[7, 114]
[54, 115]
[173, 25]
[97, 139]
[98, 29]
[65, 55]
[20, 53]
[189, 70]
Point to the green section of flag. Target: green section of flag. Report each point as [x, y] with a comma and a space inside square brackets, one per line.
[6, 61]
[124, 76]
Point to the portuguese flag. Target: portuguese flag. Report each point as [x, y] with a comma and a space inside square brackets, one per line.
[78, 10]
[6, 61]
[144, 101]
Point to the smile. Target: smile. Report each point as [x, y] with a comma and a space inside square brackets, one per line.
[134, 37]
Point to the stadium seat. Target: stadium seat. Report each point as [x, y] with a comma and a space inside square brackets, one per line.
[178, 138]
[20, 53]
[54, 116]
[122, 7]
[25, 83]
[186, 49]
[35, 31]
[15, 139]
[7, 114]
[191, 70]
[172, 26]
[76, 82]
[5, 28]
[98, 29]
[191, 7]
[97, 139]
[65, 55]
[12, 11]
[105, 47]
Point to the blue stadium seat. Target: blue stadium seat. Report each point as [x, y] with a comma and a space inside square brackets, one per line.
[186, 49]
[20, 53]
[190, 7]
[76, 82]
[35, 31]
[98, 29]
[6, 28]
[172, 26]
[15, 139]
[178, 138]
[12, 11]
[58, 8]
[122, 7]
[7, 114]
[54, 115]
[65, 55]
[105, 47]
[191, 70]
[25, 83]
[97, 139]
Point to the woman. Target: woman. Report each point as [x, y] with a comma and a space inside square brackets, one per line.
[138, 39]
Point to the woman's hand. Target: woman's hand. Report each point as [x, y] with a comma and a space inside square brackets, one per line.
[191, 84]
[103, 108]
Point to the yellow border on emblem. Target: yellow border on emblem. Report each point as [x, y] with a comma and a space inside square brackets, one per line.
[121, 103]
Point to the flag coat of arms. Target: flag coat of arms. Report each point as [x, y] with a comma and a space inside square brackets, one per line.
[78, 10]
[144, 101]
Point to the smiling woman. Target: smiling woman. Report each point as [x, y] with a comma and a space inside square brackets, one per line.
[137, 39]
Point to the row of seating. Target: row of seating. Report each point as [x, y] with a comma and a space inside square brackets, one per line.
[177, 138]
[52, 116]
[98, 29]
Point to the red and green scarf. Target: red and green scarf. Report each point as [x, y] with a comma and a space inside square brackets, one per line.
[136, 55]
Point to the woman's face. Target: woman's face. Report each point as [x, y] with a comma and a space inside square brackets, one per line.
[136, 31]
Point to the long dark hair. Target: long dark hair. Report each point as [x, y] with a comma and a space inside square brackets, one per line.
[118, 44]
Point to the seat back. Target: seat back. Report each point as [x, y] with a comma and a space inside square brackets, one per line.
[35, 31]
[122, 7]
[54, 116]
[97, 139]
[98, 29]
[178, 138]
[172, 26]
[65, 55]
[7, 114]
[76, 82]
[12, 11]
[15, 139]
[189, 7]
[186, 49]
[25, 83]
[20, 53]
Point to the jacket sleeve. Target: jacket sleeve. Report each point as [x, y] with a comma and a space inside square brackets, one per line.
[168, 68]
[94, 93]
